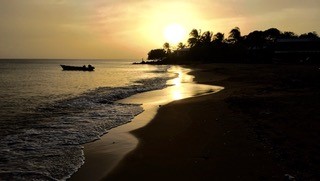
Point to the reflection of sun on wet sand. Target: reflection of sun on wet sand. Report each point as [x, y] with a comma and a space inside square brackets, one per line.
[185, 87]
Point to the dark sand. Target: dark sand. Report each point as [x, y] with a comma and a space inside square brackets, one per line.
[262, 126]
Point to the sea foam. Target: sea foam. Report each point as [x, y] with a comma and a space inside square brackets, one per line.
[46, 144]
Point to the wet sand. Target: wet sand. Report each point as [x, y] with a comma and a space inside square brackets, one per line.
[263, 126]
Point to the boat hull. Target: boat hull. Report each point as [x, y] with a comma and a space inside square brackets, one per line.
[77, 68]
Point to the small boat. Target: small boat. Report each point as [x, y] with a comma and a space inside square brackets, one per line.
[81, 68]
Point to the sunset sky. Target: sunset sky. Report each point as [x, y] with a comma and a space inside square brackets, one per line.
[130, 28]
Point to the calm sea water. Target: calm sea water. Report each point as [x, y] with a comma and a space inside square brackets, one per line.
[47, 114]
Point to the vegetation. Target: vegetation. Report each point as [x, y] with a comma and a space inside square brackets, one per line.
[206, 47]
[156, 54]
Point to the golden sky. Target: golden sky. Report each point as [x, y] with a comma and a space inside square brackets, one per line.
[125, 29]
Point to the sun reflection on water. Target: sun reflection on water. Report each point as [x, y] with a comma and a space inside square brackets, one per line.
[182, 75]
[177, 89]
[176, 95]
[183, 85]
[177, 81]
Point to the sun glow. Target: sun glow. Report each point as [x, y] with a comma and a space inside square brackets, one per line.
[174, 33]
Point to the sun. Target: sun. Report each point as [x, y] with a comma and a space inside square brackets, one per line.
[174, 33]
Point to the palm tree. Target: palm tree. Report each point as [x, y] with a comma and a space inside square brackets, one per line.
[218, 38]
[181, 46]
[206, 37]
[194, 37]
[166, 46]
[235, 35]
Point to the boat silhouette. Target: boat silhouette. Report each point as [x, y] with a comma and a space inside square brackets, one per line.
[79, 68]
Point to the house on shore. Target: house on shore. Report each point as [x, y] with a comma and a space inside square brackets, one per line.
[297, 50]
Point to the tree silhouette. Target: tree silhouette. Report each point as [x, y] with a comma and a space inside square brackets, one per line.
[206, 37]
[194, 38]
[156, 54]
[181, 46]
[166, 46]
[218, 38]
[272, 34]
[310, 35]
[289, 34]
[235, 35]
[255, 39]
[256, 47]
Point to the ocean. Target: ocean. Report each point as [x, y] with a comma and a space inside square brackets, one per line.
[47, 114]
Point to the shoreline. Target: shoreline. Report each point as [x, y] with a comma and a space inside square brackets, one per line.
[103, 155]
[253, 130]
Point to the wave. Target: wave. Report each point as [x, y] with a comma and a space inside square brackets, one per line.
[47, 143]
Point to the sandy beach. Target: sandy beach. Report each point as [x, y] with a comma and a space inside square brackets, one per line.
[263, 126]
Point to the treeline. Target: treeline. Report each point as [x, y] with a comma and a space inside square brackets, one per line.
[206, 47]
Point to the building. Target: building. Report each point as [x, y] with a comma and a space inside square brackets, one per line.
[297, 50]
